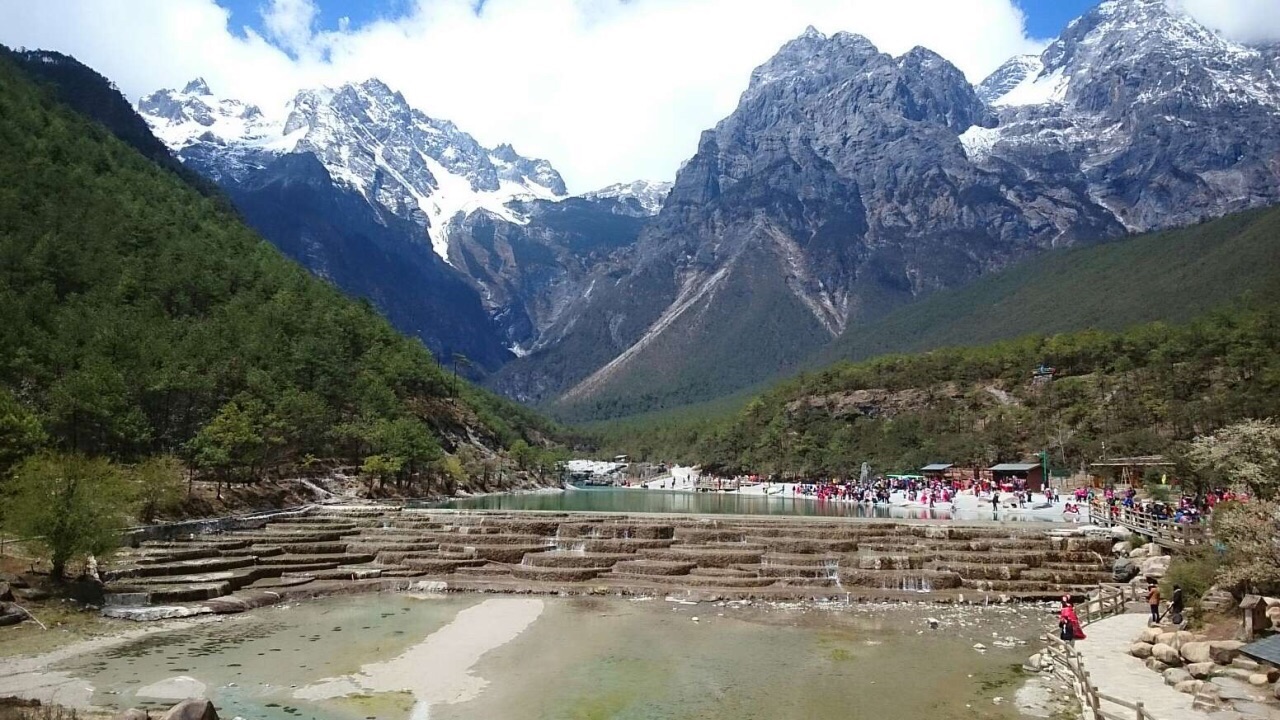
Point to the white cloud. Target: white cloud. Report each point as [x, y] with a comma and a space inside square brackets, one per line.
[607, 90]
[1243, 20]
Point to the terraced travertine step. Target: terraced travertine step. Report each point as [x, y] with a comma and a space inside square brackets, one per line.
[898, 561]
[775, 558]
[981, 571]
[1027, 585]
[790, 571]
[280, 538]
[1086, 557]
[340, 558]
[342, 572]
[216, 542]
[910, 580]
[161, 556]
[272, 583]
[328, 548]
[296, 526]
[609, 546]
[615, 531]
[235, 579]
[1030, 559]
[556, 574]
[440, 565]
[497, 553]
[704, 556]
[653, 567]
[705, 535]
[164, 594]
[559, 558]
[1057, 566]
[801, 545]
[490, 570]
[1068, 577]
[741, 571]
[698, 581]
[396, 557]
[401, 547]
[182, 567]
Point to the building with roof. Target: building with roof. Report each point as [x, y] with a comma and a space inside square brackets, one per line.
[1127, 470]
[936, 471]
[1029, 474]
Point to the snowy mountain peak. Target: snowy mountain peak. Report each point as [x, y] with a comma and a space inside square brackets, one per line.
[1136, 51]
[197, 87]
[368, 138]
[647, 195]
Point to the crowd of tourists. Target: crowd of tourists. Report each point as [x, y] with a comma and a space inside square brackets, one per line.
[1188, 509]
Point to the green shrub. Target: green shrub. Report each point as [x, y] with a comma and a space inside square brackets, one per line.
[1195, 572]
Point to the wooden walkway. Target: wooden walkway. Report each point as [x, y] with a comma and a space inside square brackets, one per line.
[1172, 535]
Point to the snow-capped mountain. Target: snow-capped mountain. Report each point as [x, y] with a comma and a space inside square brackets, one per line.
[367, 137]
[643, 197]
[848, 182]
[1162, 119]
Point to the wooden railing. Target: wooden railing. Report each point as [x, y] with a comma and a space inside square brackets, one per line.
[1111, 599]
[1164, 532]
[1097, 705]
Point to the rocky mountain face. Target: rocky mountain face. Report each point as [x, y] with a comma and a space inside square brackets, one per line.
[460, 244]
[848, 182]
[1162, 121]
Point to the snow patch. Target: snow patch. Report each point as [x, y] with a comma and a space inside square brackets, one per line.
[978, 141]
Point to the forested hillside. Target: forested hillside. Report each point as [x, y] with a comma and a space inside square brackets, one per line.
[1139, 391]
[138, 317]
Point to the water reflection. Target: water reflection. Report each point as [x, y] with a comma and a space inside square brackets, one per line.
[709, 503]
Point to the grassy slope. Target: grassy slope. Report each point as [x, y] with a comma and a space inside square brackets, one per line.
[1169, 276]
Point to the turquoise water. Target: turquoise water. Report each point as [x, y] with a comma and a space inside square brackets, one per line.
[632, 500]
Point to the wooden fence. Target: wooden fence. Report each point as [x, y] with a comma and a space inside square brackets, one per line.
[1111, 599]
[1164, 532]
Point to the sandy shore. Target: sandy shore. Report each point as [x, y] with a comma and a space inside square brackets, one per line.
[438, 670]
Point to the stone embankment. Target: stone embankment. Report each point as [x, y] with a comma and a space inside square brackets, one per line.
[1214, 672]
[349, 549]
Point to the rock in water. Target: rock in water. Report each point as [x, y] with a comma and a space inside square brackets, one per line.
[192, 710]
[174, 688]
[133, 714]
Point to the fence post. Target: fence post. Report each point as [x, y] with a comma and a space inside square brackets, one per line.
[1141, 715]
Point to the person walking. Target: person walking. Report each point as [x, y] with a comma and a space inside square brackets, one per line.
[1175, 605]
[1153, 601]
[1069, 629]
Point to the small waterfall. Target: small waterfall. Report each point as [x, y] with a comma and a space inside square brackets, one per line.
[915, 583]
[832, 570]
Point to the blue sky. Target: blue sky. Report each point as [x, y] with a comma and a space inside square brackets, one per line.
[1045, 18]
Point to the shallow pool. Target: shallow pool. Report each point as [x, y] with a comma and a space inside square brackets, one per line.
[481, 657]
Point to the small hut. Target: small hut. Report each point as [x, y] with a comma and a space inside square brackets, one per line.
[936, 471]
[1029, 475]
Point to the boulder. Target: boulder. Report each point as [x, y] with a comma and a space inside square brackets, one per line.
[12, 580]
[1124, 570]
[133, 714]
[1150, 635]
[1166, 654]
[1175, 675]
[1224, 651]
[1176, 638]
[1275, 691]
[1155, 567]
[1122, 548]
[191, 710]
[1201, 670]
[1190, 687]
[1259, 679]
[1196, 652]
[1138, 552]
[6, 592]
[1120, 532]
[1140, 650]
[1156, 665]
